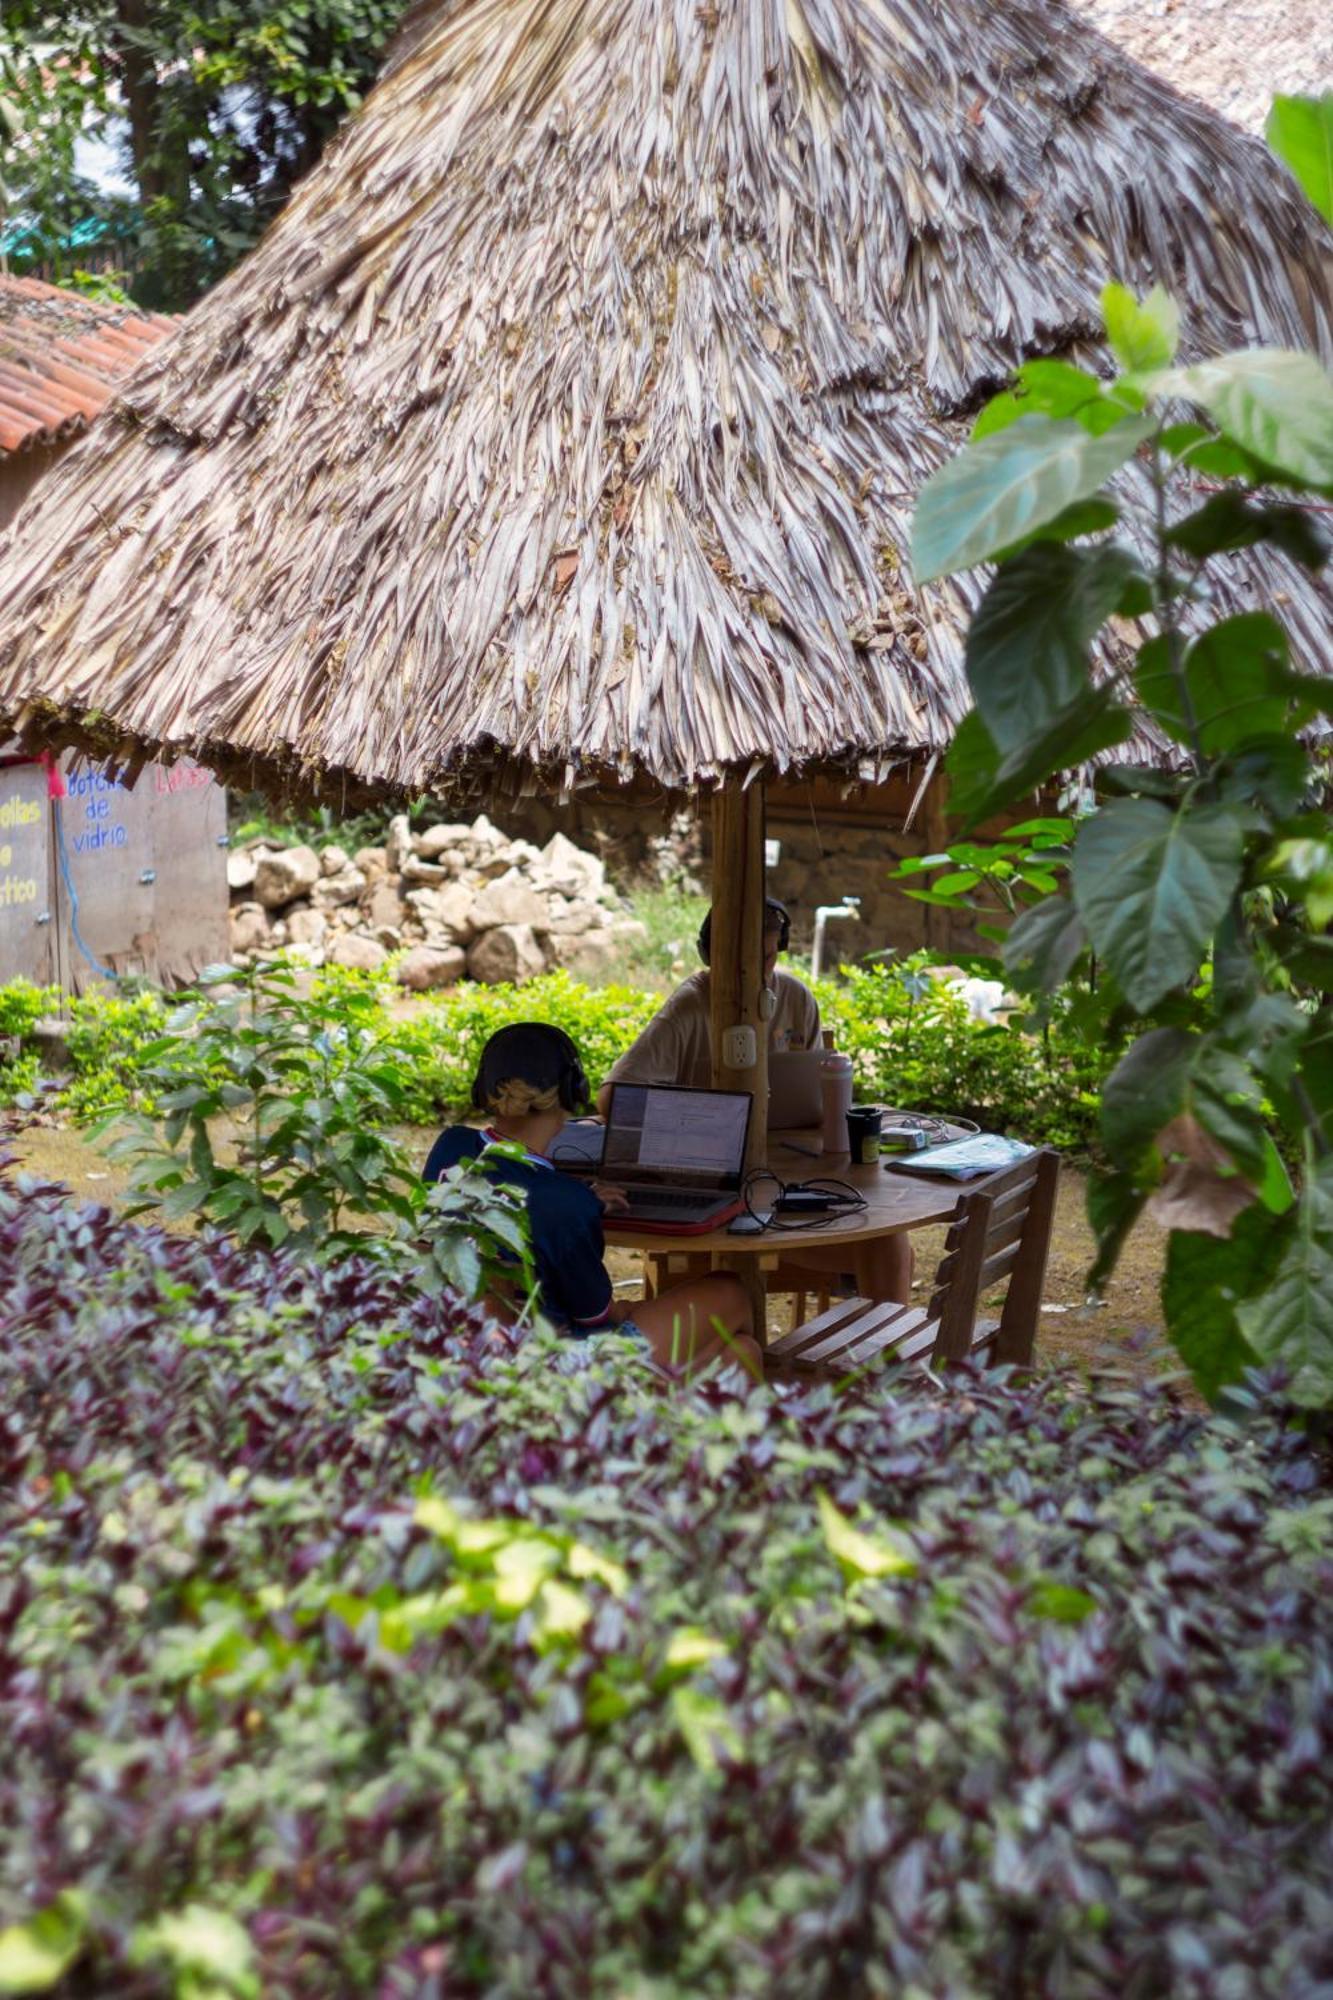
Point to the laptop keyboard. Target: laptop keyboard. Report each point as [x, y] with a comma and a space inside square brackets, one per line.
[639, 1197]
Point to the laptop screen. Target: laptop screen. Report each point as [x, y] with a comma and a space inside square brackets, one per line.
[661, 1132]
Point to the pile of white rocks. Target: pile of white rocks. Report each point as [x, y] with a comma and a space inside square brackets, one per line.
[457, 900]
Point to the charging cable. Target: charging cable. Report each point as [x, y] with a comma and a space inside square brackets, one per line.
[843, 1198]
[936, 1128]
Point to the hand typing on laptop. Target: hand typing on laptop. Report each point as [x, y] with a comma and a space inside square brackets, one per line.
[668, 1160]
[530, 1087]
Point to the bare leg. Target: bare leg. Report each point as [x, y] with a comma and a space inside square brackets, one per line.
[694, 1324]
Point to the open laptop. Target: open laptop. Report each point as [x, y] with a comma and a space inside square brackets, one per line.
[795, 1089]
[677, 1154]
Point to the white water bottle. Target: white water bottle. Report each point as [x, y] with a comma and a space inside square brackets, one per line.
[835, 1082]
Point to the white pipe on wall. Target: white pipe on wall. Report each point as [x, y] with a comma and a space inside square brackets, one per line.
[849, 907]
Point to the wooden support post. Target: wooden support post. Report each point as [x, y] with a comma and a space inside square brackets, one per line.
[736, 975]
[736, 959]
[936, 923]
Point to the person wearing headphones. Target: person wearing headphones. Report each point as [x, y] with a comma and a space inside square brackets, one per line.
[677, 1047]
[529, 1081]
[677, 1044]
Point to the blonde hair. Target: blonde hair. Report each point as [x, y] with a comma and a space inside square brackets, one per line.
[516, 1099]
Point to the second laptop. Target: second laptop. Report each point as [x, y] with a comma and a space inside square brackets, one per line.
[677, 1155]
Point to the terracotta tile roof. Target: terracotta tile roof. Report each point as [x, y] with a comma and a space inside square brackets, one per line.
[61, 358]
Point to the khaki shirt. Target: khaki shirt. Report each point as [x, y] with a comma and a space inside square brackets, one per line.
[676, 1046]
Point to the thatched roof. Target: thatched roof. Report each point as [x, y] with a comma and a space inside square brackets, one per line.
[568, 421]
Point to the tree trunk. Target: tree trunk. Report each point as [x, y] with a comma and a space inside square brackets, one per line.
[161, 160]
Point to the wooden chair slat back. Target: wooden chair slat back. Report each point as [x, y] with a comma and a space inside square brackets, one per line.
[1002, 1228]
[997, 1267]
[1017, 1335]
[999, 1237]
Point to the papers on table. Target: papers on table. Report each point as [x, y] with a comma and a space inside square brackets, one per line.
[985, 1153]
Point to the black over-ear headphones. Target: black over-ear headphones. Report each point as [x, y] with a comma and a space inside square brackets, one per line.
[773, 909]
[541, 1055]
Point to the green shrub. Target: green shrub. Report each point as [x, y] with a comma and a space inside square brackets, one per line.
[109, 1032]
[107, 1035]
[915, 1046]
[912, 1041]
[22, 1005]
[911, 1038]
[439, 1044]
[345, 1651]
[266, 1109]
[268, 1116]
[20, 1075]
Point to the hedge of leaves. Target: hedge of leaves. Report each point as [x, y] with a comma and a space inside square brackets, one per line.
[343, 1651]
[21, 1007]
[916, 1046]
[108, 1030]
[440, 1043]
[912, 1039]
[436, 1045]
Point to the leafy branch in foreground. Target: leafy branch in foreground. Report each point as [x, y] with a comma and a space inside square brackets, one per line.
[987, 877]
[272, 1109]
[1300, 131]
[1203, 886]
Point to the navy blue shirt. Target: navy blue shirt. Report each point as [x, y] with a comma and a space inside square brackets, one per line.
[565, 1223]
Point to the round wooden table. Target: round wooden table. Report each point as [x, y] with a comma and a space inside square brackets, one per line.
[895, 1203]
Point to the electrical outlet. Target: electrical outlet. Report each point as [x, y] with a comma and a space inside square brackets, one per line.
[739, 1049]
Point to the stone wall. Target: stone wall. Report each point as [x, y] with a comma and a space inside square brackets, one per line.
[831, 845]
[505, 903]
[454, 898]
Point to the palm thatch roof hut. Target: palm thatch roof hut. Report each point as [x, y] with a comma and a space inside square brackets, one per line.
[567, 423]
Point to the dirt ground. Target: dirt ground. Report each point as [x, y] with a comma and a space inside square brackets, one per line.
[1124, 1332]
[1234, 54]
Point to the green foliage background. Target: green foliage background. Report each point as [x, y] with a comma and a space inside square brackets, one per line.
[222, 104]
[911, 1039]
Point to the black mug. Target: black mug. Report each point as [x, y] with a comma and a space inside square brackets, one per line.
[864, 1125]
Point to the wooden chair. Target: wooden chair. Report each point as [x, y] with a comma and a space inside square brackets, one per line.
[1001, 1229]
